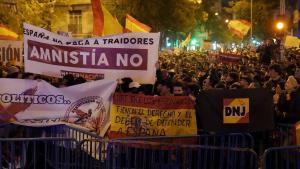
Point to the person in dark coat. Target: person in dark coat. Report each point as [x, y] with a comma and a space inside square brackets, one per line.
[288, 102]
[275, 73]
[265, 52]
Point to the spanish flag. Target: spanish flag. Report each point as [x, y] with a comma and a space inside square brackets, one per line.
[133, 25]
[104, 23]
[239, 27]
[186, 41]
[6, 34]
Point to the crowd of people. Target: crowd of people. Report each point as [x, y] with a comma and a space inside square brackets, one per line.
[190, 73]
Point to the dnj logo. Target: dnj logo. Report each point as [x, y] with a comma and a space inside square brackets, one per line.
[236, 111]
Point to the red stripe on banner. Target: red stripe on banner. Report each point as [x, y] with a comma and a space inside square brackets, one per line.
[227, 102]
[244, 119]
[110, 56]
[165, 140]
[98, 23]
[153, 102]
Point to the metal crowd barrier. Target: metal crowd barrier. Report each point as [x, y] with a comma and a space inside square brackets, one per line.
[238, 140]
[56, 131]
[38, 153]
[125, 154]
[66, 147]
[21, 136]
[283, 135]
[93, 154]
[287, 157]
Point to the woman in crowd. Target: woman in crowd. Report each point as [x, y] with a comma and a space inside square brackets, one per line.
[288, 101]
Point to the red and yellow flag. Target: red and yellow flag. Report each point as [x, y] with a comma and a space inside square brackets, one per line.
[239, 27]
[186, 41]
[104, 23]
[133, 25]
[139, 115]
[6, 34]
[236, 111]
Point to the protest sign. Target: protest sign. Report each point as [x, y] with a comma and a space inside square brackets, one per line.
[291, 42]
[113, 57]
[11, 51]
[37, 103]
[229, 58]
[240, 110]
[139, 115]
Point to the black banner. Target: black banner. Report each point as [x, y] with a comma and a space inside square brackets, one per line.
[244, 110]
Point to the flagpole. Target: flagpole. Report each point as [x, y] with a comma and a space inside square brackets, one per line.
[298, 33]
[251, 13]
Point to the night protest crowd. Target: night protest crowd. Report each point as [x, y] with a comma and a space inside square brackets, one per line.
[190, 73]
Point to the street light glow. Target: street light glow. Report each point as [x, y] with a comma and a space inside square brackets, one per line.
[280, 25]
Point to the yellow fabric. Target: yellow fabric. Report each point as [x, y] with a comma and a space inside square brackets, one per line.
[234, 118]
[111, 24]
[186, 41]
[240, 27]
[172, 122]
[136, 26]
[291, 41]
[6, 32]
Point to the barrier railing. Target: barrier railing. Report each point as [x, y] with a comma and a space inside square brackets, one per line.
[93, 154]
[282, 158]
[68, 147]
[240, 140]
[60, 131]
[153, 155]
[283, 135]
[38, 153]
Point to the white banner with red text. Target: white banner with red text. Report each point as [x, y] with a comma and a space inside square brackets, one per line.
[112, 57]
[37, 103]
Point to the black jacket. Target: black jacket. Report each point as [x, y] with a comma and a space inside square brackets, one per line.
[290, 107]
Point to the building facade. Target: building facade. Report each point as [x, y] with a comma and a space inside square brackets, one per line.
[77, 18]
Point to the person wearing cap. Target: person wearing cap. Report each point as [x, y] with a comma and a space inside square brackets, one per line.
[275, 78]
